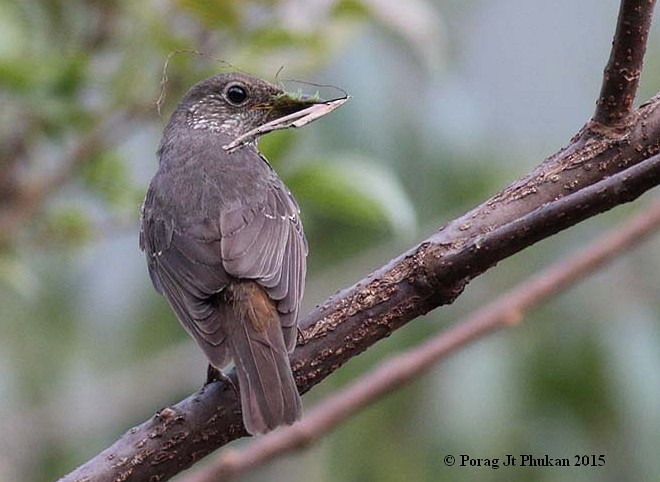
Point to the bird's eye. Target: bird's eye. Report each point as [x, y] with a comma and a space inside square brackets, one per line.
[236, 94]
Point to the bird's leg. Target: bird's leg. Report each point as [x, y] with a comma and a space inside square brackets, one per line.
[215, 375]
[212, 374]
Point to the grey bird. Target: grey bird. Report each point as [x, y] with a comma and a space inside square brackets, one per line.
[223, 238]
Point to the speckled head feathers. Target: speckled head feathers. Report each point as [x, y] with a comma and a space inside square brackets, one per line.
[234, 103]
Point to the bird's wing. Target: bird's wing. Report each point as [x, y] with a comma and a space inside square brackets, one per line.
[186, 266]
[266, 243]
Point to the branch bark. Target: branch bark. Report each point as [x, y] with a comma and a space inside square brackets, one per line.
[600, 168]
[624, 68]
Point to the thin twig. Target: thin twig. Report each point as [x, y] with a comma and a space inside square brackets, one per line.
[399, 370]
[624, 68]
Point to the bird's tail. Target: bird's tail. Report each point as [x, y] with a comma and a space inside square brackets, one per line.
[269, 396]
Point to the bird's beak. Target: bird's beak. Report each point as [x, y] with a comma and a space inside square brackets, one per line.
[288, 110]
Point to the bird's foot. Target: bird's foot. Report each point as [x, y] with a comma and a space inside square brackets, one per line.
[215, 375]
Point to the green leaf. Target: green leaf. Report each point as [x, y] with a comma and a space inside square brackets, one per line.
[69, 76]
[17, 277]
[354, 190]
[108, 176]
[277, 144]
[16, 75]
[351, 8]
[68, 227]
[214, 13]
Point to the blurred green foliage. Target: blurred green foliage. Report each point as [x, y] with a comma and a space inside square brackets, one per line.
[88, 349]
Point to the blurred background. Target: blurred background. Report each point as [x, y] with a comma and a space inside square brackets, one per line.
[451, 101]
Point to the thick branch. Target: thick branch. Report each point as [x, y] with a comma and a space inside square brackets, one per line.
[624, 68]
[432, 274]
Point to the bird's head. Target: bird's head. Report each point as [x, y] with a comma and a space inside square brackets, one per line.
[243, 107]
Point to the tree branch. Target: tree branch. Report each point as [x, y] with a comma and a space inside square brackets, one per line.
[624, 68]
[401, 369]
[432, 274]
[599, 169]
